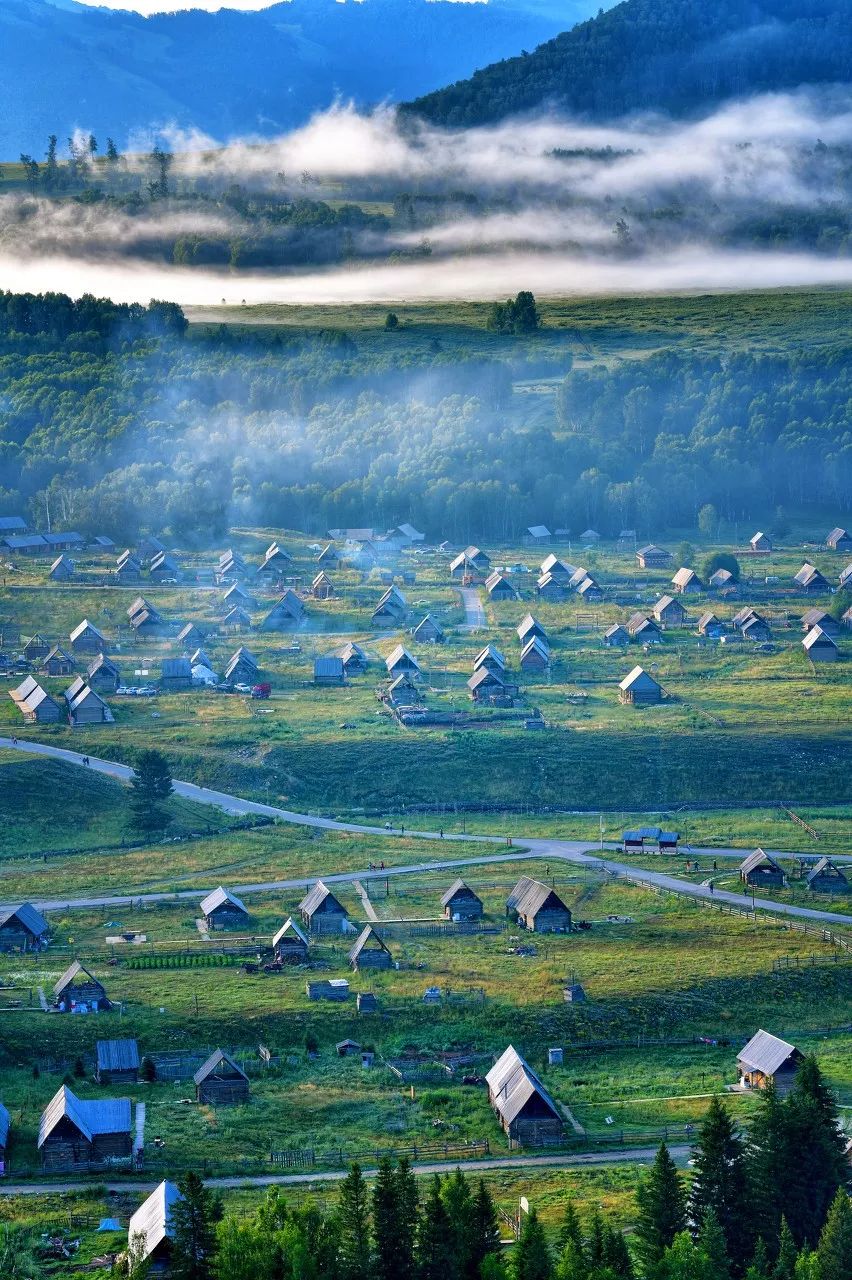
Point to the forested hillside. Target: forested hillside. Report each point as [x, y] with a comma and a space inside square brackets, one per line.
[678, 56]
[130, 422]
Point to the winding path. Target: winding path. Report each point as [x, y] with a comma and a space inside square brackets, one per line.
[546, 848]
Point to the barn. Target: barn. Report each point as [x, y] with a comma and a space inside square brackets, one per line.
[590, 591]
[767, 1060]
[760, 542]
[329, 555]
[669, 612]
[643, 629]
[756, 629]
[536, 535]
[22, 928]
[322, 587]
[189, 636]
[321, 911]
[485, 684]
[820, 646]
[222, 910]
[839, 540]
[242, 667]
[390, 610]
[128, 569]
[36, 647]
[471, 560]
[353, 657]
[236, 597]
[78, 987]
[220, 1082]
[762, 871]
[290, 944]
[175, 674]
[639, 689]
[236, 619]
[825, 877]
[116, 1062]
[526, 1111]
[370, 951]
[461, 903]
[275, 562]
[77, 1134]
[149, 1232]
[722, 579]
[164, 568]
[711, 626]
[538, 907]
[557, 568]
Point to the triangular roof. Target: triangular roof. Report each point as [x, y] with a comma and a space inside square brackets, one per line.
[529, 624]
[458, 886]
[428, 624]
[511, 1084]
[217, 1058]
[767, 1053]
[817, 637]
[759, 859]
[27, 916]
[316, 896]
[826, 867]
[84, 626]
[219, 898]
[151, 1224]
[73, 971]
[399, 653]
[490, 651]
[485, 677]
[638, 678]
[290, 927]
[535, 645]
[89, 1117]
[367, 935]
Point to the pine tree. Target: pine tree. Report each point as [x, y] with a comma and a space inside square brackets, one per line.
[719, 1182]
[711, 1241]
[570, 1232]
[435, 1259]
[766, 1166]
[384, 1206]
[458, 1203]
[814, 1164]
[150, 787]
[595, 1241]
[407, 1217]
[194, 1219]
[834, 1252]
[785, 1262]
[759, 1266]
[616, 1256]
[661, 1206]
[353, 1227]
[531, 1259]
[484, 1230]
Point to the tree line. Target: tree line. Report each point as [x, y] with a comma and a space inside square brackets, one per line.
[768, 1205]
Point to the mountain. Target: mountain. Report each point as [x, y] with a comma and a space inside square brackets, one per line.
[65, 66]
[668, 55]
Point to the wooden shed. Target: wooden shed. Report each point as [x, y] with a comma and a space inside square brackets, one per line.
[643, 629]
[616, 636]
[639, 688]
[290, 944]
[767, 1060]
[810, 579]
[470, 561]
[36, 647]
[669, 612]
[528, 628]
[58, 662]
[551, 589]
[653, 557]
[820, 646]
[722, 580]
[711, 626]
[819, 618]
[839, 540]
[322, 587]
[687, 582]
[175, 674]
[321, 911]
[86, 638]
[276, 562]
[825, 877]
[220, 1082]
[77, 986]
[164, 568]
[590, 591]
[538, 907]
[557, 569]
[400, 661]
[85, 706]
[329, 670]
[116, 1062]
[760, 542]
[62, 569]
[762, 871]
[222, 910]
[370, 951]
[491, 658]
[525, 1109]
[150, 1231]
[35, 703]
[22, 928]
[242, 667]
[461, 903]
[286, 614]
[77, 1134]
[485, 684]
[535, 655]
[103, 675]
[428, 631]
[499, 587]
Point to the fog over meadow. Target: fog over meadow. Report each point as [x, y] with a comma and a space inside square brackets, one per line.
[546, 203]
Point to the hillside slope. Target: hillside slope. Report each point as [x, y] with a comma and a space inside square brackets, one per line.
[670, 55]
[231, 73]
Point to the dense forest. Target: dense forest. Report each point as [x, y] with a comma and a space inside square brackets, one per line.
[678, 56]
[125, 422]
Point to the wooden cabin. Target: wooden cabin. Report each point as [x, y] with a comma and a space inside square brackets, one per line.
[36, 647]
[286, 614]
[222, 910]
[760, 542]
[116, 1062]
[809, 579]
[400, 661]
[321, 912]
[236, 619]
[643, 629]
[491, 658]
[62, 569]
[290, 945]
[322, 587]
[711, 626]
[825, 877]
[616, 636]
[242, 667]
[85, 638]
[103, 675]
[722, 580]
[653, 557]
[461, 903]
[485, 684]
[499, 587]
[370, 952]
[687, 582]
[58, 662]
[762, 871]
[590, 591]
[535, 655]
[767, 1060]
[470, 561]
[276, 562]
[538, 907]
[839, 540]
[35, 703]
[77, 986]
[819, 618]
[528, 628]
[220, 1082]
[639, 689]
[820, 646]
[164, 568]
[557, 569]
[428, 631]
[22, 928]
[329, 671]
[80, 1134]
[85, 706]
[669, 612]
[335, 990]
[150, 1232]
[536, 535]
[526, 1111]
[551, 589]
[175, 674]
[353, 657]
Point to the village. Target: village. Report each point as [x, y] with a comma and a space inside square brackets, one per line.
[255, 997]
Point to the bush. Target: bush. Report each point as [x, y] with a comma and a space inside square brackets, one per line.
[721, 560]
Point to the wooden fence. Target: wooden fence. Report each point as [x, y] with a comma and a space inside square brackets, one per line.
[341, 1157]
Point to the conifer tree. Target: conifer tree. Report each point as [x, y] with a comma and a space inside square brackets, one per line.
[834, 1252]
[531, 1260]
[570, 1232]
[719, 1183]
[407, 1214]
[766, 1164]
[458, 1203]
[661, 1210]
[815, 1165]
[435, 1259]
[758, 1268]
[353, 1227]
[194, 1219]
[485, 1229]
[785, 1262]
[384, 1214]
[711, 1241]
[616, 1256]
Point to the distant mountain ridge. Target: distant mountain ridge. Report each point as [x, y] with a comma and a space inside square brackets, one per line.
[676, 56]
[234, 72]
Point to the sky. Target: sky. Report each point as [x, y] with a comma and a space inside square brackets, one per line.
[169, 6]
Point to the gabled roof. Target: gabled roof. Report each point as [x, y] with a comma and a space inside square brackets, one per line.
[614, 630]
[289, 927]
[89, 1117]
[237, 617]
[428, 624]
[30, 695]
[101, 663]
[766, 1053]
[485, 677]
[577, 577]
[141, 605]
[57, 652]
[219, 898]
[56, 539]
[456, 888]
[367, 935]
[535, 645]
[538, 531]
[151, 1224]
[79, 693]
[511, 1084]
[316, 896]
[495, 580]
[558, 568]
[826, 867]
[489, 652]
[217, 1058]
[808, 575]
[837, 535]
[759, 859]
[8, 524]
[27, 916]
[666, 602]
[351, 650]
[84, 626]
[529, 899]
[587, 586]
[651, 549]
[73, 971]
[638, 678]
[189, 632]
[684, 577]
[23, 541]
[529, 624]
[817, 637]
[117, 1055]
[176, 669]
[398, 654]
